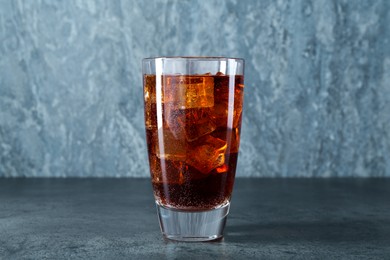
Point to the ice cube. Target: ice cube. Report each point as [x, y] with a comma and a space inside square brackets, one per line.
[150, 101]
[150, 116]
[169, 147]
[192, 123]
[151, 140]
[150, 88]
[189, 91]
[175, 119]
[199, 122]
[207, 154]
[223, 107]
[230, 136]
[171, 172]
[228, 104]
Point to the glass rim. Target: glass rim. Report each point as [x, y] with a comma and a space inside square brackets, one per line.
[193, 58]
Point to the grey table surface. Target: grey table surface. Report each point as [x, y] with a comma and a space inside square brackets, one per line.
[269, 218]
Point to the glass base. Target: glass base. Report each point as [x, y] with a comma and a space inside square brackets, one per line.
[192, 226]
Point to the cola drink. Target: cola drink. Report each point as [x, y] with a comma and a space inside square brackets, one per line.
[193, 125]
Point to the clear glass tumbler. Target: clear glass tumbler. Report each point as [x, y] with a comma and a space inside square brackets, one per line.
[193, 111]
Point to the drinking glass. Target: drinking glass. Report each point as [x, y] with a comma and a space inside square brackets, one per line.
[193, 111]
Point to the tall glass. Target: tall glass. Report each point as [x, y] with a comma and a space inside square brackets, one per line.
[193, 111]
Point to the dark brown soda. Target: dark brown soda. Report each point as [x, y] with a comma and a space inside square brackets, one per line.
[193, 143]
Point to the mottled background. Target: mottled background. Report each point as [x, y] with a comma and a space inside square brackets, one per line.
[317, 82]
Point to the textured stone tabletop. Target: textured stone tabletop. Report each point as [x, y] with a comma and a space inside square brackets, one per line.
[269, 218]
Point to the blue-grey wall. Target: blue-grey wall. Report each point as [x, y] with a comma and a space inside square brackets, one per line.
[317, 96]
